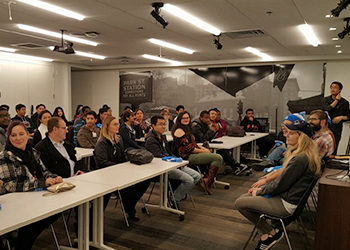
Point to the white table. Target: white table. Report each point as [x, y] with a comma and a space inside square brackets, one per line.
[234, 143]
[123, 175]
[23, 208]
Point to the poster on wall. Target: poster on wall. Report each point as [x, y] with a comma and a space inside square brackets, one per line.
[272, 91]
[136, 87]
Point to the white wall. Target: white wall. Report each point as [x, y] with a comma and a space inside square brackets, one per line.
[339, 71]
[95, 88]
[34, 83]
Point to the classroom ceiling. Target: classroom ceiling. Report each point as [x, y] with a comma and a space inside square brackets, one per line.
[126, 25]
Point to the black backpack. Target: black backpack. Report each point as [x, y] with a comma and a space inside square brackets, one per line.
[139, 156]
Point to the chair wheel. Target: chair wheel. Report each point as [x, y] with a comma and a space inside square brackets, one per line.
[227, 187]
[143, 210]
[181, 217]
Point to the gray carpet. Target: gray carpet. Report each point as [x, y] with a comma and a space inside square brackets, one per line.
[214, 224]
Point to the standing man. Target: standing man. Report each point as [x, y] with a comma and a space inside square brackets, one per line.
[338, 110]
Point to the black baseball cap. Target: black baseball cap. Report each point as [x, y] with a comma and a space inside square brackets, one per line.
[302, 126]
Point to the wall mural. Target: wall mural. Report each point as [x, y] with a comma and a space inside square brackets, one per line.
[272, 91]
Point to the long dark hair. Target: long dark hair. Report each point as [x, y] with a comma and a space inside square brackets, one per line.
[55, 114]
[41, 115]
[186, 128]
[77, 110]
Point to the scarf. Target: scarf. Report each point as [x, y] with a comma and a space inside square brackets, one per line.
[28, 158]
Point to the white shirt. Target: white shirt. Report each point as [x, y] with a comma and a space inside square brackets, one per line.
[60, 148]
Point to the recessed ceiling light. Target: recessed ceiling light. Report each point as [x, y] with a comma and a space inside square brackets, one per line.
[85, 54]
[328, 16]
[309, 34]
[258, 53]
[337, 46]
[171, 46]
[157, 58]
[339, 51]
[53, 8]
[20, 57]
[56, 34]
[332, 28]
[7, 49]
[335, 38]
[191, 19]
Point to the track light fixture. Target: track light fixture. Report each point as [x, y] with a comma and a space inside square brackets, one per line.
[346, 30]
[155, 13]
[217, 43]
[341, 6]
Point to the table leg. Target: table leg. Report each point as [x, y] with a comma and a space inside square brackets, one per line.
[83, 228]
[98, 231]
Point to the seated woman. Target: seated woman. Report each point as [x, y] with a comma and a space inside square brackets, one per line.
[109, 151]
[189, 150]
[140, 125]
[40, 133]
[301, 165]
[22, 170]
[59, 112]
[168, 122]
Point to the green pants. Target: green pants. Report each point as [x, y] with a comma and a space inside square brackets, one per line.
[206, 159]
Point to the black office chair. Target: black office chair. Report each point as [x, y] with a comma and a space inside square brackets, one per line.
[285, 221]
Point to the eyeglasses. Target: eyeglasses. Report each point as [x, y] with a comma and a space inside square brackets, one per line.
[65, 128]
[5, 116]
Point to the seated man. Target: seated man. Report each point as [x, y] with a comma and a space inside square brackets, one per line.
[323, 137]
[127, 132]
[158, 145]
[58, 154]
[205, 130]
[5, 120]
[21, 116]
[251, 124]
[89, 134]
[39, 108]
[79, 123]
[215, 117]
[277, 156]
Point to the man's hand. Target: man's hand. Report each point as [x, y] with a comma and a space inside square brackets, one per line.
[337, 119]
[338, 97]
[58, 179]
[259, 183]
[253, 191]
[79, 172]
[213, 127]
[50, 182]
[251, 118]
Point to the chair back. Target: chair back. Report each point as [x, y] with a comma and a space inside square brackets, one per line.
[302, 202]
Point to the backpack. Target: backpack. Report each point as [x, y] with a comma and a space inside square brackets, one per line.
[236, 131]
[139, 156]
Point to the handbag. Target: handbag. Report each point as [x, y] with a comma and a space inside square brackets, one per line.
[59, 188]
[236, 131]
[139, 156]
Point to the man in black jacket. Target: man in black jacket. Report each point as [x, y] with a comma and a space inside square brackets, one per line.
[57, 154]
[338, 110]
[251, 124]
[158, 145]
[204, 131]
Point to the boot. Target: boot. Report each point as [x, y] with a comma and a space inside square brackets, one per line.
[211, 178]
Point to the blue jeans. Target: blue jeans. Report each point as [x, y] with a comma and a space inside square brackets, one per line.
[276, 156]
[188, 178]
